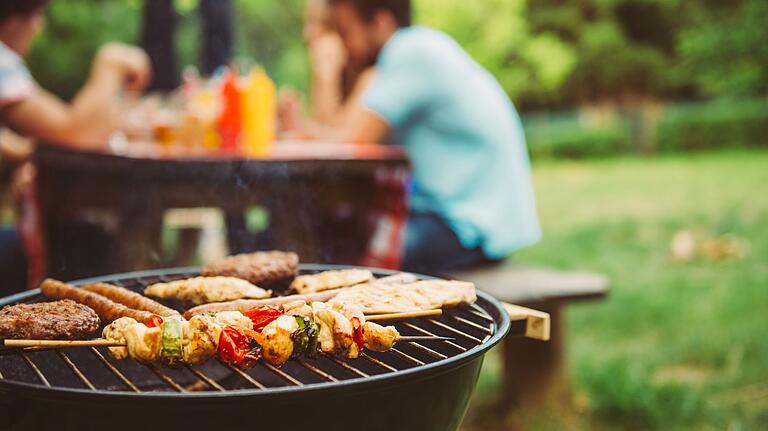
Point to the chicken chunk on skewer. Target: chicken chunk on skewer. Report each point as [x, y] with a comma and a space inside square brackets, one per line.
[336, 332]
[144, 343]
[200, 339]
[277, 342]
[379, 338]
[298, 308]
[115, 331]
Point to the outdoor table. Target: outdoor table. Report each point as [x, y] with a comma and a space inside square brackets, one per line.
[325, 201]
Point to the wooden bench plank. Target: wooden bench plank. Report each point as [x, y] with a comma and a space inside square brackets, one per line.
[537, 324]
[526, 285]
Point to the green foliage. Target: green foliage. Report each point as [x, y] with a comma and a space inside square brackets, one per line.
[546, 53]
[717, 125]
[725, 48]
[497, 34]
[617, 56]
[571, 139]
[674, 345]
[270, 33]
[75, 29]
[624, 396]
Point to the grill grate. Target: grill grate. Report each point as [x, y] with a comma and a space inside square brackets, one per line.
[93, 369]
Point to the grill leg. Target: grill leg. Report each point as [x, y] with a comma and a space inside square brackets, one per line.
[535, 371]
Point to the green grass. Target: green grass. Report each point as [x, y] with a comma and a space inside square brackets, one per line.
[677, 345]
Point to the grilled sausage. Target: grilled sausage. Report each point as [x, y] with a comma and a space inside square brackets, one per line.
[107, 309]
[243, 305]
[130, 299]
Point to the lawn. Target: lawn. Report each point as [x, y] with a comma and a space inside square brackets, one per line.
[678, 344]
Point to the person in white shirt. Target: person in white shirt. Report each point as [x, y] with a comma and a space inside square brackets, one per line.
[31, 111]
[28, 110]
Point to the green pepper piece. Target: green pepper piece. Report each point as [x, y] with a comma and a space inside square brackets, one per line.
[300, 338]
[313, 333]
[171, 341]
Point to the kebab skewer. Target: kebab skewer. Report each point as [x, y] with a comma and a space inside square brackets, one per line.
[274, 334]
[296, 330]
[337, 328]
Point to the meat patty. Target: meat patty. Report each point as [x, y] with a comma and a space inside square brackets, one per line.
[261, 268]
[59, 320]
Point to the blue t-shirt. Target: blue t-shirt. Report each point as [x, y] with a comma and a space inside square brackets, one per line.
[463, 136]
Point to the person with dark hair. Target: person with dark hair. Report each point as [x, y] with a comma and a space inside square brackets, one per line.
[336, 85]
[472, 199]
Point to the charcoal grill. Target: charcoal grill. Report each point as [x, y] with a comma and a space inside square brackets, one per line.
[416, 386]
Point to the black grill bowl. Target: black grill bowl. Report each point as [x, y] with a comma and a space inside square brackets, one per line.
[433, 396]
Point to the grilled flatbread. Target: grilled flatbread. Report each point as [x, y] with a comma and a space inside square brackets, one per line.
[328, 280]
[377, 298]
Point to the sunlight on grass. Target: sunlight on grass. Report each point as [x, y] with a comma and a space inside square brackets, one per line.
[677, 345]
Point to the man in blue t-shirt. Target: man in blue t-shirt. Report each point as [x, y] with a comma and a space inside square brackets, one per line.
[472, 199]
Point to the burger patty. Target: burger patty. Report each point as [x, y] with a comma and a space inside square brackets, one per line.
[261, 268]
[59, 320]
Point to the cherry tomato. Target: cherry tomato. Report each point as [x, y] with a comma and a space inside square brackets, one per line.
[237, 346]
[155, 321]
[358, 335]
[263, 316]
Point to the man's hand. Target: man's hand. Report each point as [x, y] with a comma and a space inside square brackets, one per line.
[327, 56]
[94, 113]
[128, 64]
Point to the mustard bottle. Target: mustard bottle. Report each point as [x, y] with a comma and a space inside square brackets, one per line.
[259, 114]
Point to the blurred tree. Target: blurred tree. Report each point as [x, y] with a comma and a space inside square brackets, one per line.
[546, 53]
[75, 29]
[270, 33]
[625, 47]
[530, 65]
[725, 47]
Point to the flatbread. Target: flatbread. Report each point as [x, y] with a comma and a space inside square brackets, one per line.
[377, 298]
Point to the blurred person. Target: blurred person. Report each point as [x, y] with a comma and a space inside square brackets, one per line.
[336, 85]
[28, 110]
[472, 200]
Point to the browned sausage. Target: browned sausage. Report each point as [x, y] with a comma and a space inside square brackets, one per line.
[243, 305]
[130, 299]
[107, 309]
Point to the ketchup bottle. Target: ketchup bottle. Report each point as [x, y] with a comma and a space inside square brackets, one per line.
[230, 120]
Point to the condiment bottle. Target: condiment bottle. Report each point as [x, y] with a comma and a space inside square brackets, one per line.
[259, 114]
[230, 120]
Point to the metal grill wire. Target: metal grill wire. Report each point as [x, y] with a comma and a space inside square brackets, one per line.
[94, 369]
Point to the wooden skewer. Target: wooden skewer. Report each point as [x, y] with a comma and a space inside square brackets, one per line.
[423, 338]
[406, 315]
[58, 344]
[62, 344]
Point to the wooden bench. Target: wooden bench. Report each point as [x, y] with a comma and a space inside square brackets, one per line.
[535, 371]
